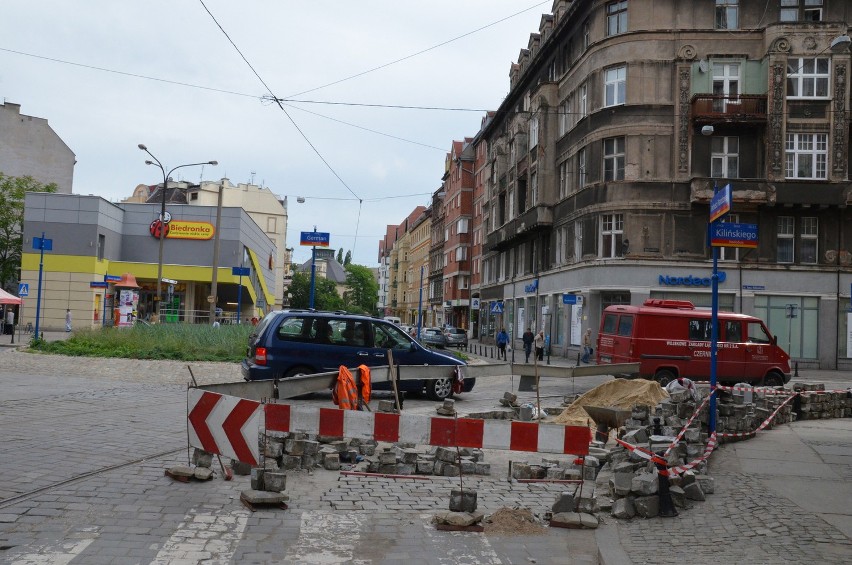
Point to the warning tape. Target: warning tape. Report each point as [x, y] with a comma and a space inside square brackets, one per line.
[683, 430]
[711, 445]
[765, 423]
[753, 389]
[643, 452]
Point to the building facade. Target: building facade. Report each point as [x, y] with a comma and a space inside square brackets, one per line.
[622, 118]
[30, 147]
[94, 241]
[458, 226]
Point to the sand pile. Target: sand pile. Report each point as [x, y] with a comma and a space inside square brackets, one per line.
[513, 521]
[618, 393]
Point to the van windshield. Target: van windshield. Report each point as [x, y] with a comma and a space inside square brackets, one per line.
[757, 333]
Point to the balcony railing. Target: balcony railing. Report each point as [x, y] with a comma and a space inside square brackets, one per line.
[716, 108]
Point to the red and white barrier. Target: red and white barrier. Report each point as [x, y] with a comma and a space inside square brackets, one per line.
[230, 426]
[223, 424]
[426, 430]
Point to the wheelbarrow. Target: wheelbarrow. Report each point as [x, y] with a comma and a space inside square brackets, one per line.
[606, 418]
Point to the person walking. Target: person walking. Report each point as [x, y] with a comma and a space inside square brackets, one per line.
[587, 346]
[539, 345]
[528, 339]
[502, 341]
[68, 320]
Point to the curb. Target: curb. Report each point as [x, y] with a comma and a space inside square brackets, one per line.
[610, 550]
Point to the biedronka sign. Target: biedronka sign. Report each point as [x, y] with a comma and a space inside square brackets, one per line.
[190, 230]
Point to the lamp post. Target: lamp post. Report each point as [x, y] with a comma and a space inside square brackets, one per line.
[163, 214]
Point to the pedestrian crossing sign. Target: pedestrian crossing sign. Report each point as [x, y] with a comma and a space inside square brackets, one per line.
[23, 289]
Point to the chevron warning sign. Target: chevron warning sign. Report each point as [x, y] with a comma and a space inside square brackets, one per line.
[226, 425]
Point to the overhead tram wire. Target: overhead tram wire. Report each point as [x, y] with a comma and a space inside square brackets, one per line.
[292, 121]
[412, 55]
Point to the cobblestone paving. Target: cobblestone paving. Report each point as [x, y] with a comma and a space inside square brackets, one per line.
[743, 522]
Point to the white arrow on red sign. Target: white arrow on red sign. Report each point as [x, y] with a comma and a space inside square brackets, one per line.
[226, 425]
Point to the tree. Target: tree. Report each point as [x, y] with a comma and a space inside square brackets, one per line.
[348, 259]
[363, 289]
[12, 191]
[325, 293]
[340, 255]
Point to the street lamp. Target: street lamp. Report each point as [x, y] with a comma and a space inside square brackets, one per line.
[163, 214]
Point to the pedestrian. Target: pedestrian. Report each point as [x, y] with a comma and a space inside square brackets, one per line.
[502, 341]
[528, 339]
[539, 345]
[68, 320]
[587, 346]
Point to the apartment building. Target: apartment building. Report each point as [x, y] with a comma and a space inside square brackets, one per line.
[458, 214]
[622, 117]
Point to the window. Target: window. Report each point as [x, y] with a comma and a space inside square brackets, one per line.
[578, 241]
[533, 131]
[801, 10]
[809, 231]
[271, 224]
[726, 14]
[101, 246]
[511, 152]
[615, 84]
[582, 103]
[806, 156]
[807, 77]
[461, 253]
[563, 179]
[564, 117]
[699, 330]
[616, 18]
[533, 189]
[462, 225]
[612, 231]
[581, 168]
[785, 239]
[724, 157]
[613, 160]
[733, 332]
[726, 85]
[586, 38]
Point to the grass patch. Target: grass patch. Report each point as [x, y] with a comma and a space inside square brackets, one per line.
[178, 342]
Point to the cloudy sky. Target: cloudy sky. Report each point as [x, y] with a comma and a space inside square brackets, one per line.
[110, 74]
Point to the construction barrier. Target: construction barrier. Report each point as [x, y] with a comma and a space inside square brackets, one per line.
[230, 426]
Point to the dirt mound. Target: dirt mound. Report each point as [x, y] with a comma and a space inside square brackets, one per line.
[513, 521]
[618, 393]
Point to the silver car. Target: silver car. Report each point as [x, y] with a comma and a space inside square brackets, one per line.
[433, 337]
[456, 337]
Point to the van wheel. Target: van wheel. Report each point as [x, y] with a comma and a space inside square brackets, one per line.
[773, 379]
[439, 389]
[664, 377]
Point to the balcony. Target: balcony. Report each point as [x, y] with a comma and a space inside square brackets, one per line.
[716, 108]
[534, 219]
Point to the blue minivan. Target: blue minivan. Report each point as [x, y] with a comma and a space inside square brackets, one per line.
[287, 343]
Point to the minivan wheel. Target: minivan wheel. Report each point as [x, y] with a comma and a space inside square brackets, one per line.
[664, 377]
[773, 379]
[439, 389]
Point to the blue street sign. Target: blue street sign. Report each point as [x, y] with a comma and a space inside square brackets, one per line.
[111, 278]
[572, 299]
[728, 234]
[23, 289]
[496, 307]
[43, 244]
[98, 284]
[315, 238]
[721, 203]
[241, 271]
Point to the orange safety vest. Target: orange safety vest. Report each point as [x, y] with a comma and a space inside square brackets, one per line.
[345, 395]
[366, 384]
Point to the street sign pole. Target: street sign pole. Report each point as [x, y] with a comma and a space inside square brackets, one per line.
[40, 273]
[313, 272]
[720, 205]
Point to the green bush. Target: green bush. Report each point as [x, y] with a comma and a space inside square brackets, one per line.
[179, 342]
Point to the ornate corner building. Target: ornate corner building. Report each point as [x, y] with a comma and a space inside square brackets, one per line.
[622, 117]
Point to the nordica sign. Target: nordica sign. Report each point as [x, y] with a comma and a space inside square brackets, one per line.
[691, 280]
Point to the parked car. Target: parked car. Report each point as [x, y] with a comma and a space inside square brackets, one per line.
[671, 338]
[288, 343]
[456, 337]
[433, 337]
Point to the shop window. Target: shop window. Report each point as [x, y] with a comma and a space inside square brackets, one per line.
[798, 336]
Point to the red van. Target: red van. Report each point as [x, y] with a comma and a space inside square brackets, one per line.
[671, 338]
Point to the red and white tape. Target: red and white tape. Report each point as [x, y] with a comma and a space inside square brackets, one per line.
[765, 423]
[711, 445]
[683, 430]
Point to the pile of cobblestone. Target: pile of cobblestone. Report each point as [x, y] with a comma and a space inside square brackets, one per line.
[289, 451]
[816, 404]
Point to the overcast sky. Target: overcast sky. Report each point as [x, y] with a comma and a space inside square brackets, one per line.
[298, 48]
